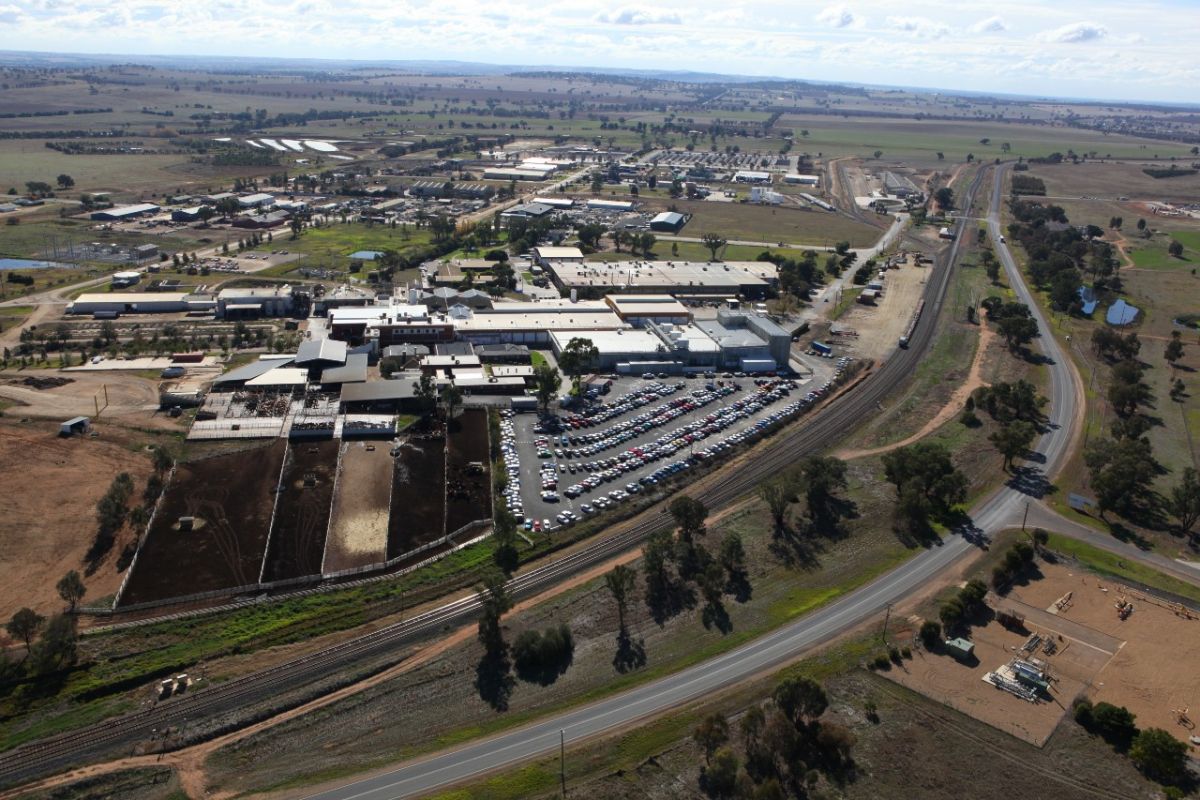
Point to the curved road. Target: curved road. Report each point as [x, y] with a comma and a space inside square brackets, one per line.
[1002, 509]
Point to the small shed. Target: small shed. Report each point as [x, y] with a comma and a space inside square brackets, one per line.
[960, 648]
[75, 425]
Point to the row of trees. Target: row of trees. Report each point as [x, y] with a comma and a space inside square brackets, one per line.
[1155, 752]
[818, 479]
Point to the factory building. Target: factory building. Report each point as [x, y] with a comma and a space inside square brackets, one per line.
[129, 303]
[751, 279]
[122, 213]
[668, 222]
[542, 256]
[750, 176]
[258, 200]
[251, 303]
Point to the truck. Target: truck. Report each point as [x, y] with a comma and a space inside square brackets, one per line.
[820, 348]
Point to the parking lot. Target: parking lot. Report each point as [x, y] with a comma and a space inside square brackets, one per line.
[579, 463]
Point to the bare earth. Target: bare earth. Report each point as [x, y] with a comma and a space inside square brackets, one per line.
[881, 325]
[130, 398]
[1146, 663]
[47, 521]
[358, 528]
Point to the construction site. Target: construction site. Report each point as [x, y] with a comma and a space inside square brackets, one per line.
[1066, 636]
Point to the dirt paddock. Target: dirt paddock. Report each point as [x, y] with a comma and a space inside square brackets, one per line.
[1146, 663]
[358, 533]
[880, 326]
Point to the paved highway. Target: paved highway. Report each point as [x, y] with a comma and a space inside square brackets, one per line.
[1002, 509]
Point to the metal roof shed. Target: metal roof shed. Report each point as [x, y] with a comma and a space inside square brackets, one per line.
[960, 647]
[74, 425]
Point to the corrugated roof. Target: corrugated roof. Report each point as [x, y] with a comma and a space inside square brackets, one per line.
[354, 371]
[251, 370]
[321, 350]
[395, 389]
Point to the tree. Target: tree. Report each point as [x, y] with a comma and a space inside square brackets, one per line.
[1174, 349]
[801, 699]
[24, 625]
[926, 481]
[65, 181]
[579, 356]
[777, 493]
[493, 603]
[71, 588]
[689, 515]
[931, 634]
[646, 242]
[822, 477]
[542, 657]
[58, 647]
[621, 582]
[589, 235]
[546, 383]
[711, 733]
[1175, 249]
[1184, 501]
[945, 198]
[721, 774]
[714, 242]
[426, 393]
[1160, 756]
[504, 531]
[1141, 224]
[1121, 473]
[1115, 723]
[1012, 440]
[451, 398]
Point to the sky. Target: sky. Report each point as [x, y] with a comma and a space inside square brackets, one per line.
[1129, 50]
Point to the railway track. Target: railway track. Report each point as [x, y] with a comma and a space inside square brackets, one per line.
[39, 758]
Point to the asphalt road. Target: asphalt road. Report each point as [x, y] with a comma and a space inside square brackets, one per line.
[1002, 509]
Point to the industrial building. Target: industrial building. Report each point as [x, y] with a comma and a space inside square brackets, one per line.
[668, 222]
[123, 279]
[544, 255]
[122, 213]
[751, 176]
[899, 186]
[614, 346]
[260, 301]
[526, 211]
[748, 341]
[610, 205]
[271, 219]
[258, 200]
[638, 309]
[130, 303]
[396, 323]
[802, 180]
[750, 279]
[191, 214]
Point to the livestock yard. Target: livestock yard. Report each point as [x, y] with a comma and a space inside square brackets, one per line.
[358, 531]
[302, 511]
[1069, 626]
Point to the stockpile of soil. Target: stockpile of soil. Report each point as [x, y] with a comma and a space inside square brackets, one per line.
[231, 498]
[302, 511]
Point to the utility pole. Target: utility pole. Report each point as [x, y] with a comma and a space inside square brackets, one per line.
[562, 760]
[1026, 517]
[887, 616]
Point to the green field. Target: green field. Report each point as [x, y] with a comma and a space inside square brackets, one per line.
[330, 246]
[1153, 254]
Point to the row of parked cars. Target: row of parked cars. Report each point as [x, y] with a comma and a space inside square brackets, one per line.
[671, 442]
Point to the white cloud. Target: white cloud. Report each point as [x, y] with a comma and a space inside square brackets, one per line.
[919, 26]
[838, 17]
[1075, 33]
[640, 15]
[989, 25]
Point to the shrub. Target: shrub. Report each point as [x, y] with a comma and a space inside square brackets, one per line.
[1083, 713]
[881, 662]
[894, 654]
[1160, 755]
[931, 634]
[1115, 724]
[906, 652]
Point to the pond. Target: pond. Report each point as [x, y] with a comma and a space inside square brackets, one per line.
[29, 263]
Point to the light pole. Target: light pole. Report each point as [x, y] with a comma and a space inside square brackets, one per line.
[562, 759]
